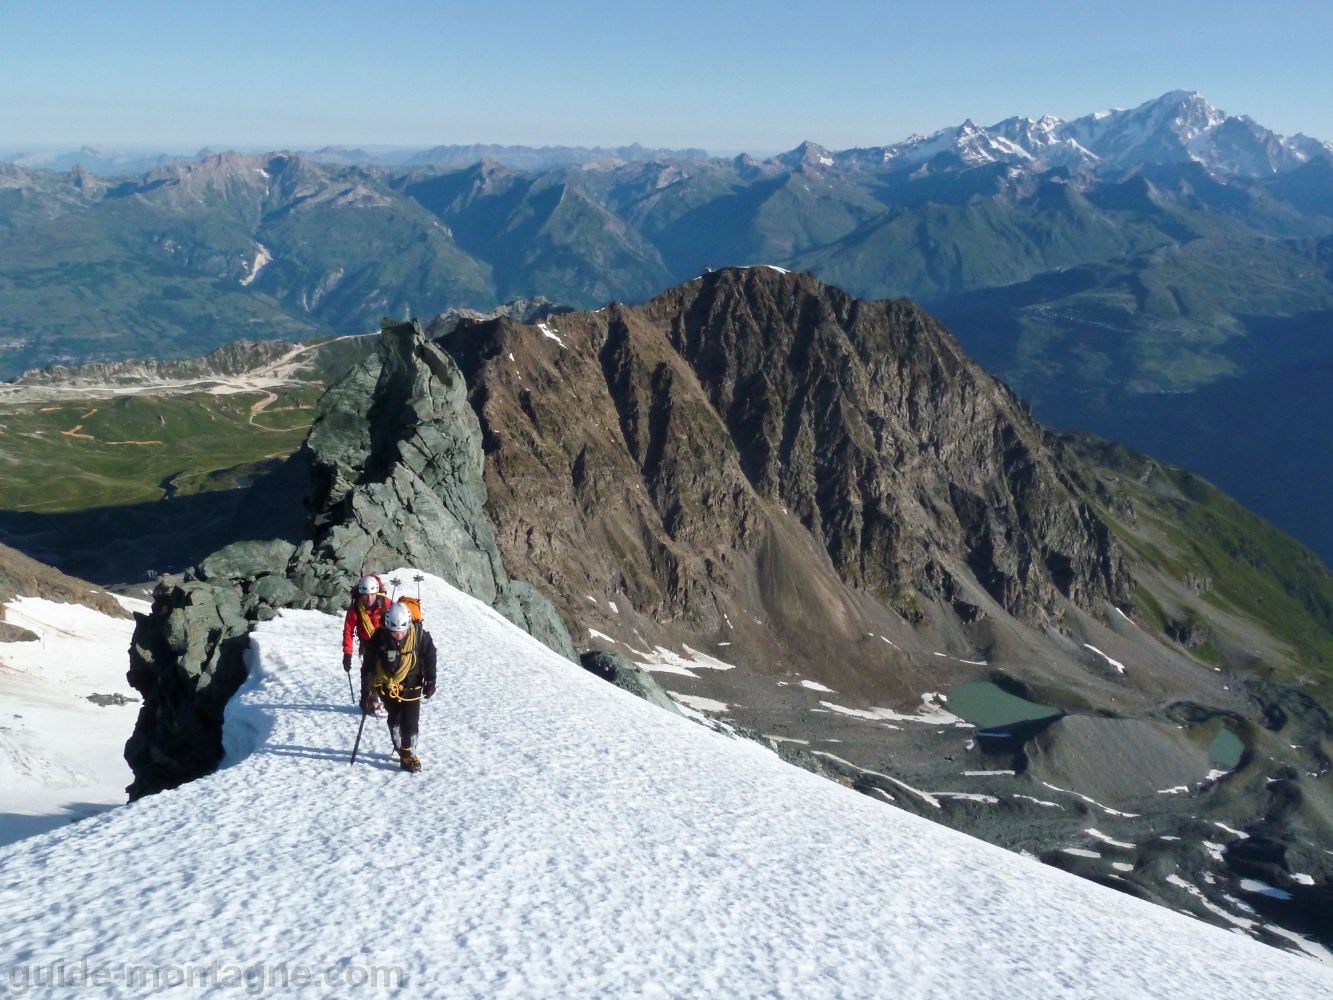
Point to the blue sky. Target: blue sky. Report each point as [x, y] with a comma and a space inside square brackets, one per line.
[723, 76]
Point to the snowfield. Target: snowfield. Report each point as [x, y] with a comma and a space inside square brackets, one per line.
[62, 757]
[564, 840]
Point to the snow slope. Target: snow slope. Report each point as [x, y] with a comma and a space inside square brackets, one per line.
[569, 840]
[61, 756]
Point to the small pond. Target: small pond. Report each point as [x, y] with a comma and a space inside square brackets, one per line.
[987, 706]
[1226, 749]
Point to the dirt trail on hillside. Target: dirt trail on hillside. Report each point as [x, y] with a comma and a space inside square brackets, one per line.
[265, 377]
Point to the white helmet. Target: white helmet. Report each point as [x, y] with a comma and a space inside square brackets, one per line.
[398, 618]
[369, 585]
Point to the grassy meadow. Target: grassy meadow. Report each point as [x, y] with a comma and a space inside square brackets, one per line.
[133, 449]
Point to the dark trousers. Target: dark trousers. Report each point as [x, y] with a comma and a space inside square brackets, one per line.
[404, 717]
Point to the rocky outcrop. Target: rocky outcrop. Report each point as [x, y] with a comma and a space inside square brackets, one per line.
[622, 672]
[396, 462]
[397, 465]
[187, 659]
[758, 459]
[889, 444]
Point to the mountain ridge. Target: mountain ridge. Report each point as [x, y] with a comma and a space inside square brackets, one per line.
[1178, 125]
[1087, 288]
[109, 162]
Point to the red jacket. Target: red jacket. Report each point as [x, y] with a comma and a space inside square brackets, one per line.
[356, 624]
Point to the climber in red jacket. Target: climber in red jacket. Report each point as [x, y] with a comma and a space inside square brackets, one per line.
[369, 603]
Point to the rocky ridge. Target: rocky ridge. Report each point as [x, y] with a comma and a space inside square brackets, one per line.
[395, 461]
[751, 426]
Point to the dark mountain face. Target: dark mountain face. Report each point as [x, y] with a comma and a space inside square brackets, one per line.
[668, 450]
[750, 392]
[665, 449]
[812, 390]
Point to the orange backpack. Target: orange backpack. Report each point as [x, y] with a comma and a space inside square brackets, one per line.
[413, 605]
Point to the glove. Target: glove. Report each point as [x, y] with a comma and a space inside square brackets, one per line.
[428, 689]
[347, 662]
[368, 701]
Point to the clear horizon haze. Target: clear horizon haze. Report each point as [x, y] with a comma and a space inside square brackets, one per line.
[758, 77]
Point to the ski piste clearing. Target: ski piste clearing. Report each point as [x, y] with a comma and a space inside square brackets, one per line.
[565, 839]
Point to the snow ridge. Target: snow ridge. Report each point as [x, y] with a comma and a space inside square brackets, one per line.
[568, 839]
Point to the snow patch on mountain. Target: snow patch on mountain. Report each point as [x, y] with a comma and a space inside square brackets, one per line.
[666, 661]
[931, 712]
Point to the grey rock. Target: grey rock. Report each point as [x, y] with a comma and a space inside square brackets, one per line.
[618, 670]
[243, 560]
[278, 592]
[340, 436]
[397, 464]
[105, 700]
[1148, 757]
[187, 659]
[15, 633]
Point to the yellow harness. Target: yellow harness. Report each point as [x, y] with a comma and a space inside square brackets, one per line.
[367, 626]
[392, 684]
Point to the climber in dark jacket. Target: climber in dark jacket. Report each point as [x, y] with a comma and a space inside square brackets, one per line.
[399, 667]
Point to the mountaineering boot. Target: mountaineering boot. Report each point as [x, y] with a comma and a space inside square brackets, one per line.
[408, 761]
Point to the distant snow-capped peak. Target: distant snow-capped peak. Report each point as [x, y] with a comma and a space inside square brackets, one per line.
[1177, 127]
[1163, 130]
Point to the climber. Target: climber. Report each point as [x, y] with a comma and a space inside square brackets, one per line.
[398, 666]
[369, 603]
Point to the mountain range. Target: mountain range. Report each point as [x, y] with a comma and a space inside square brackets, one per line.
[112, 162]
[1110, 268]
